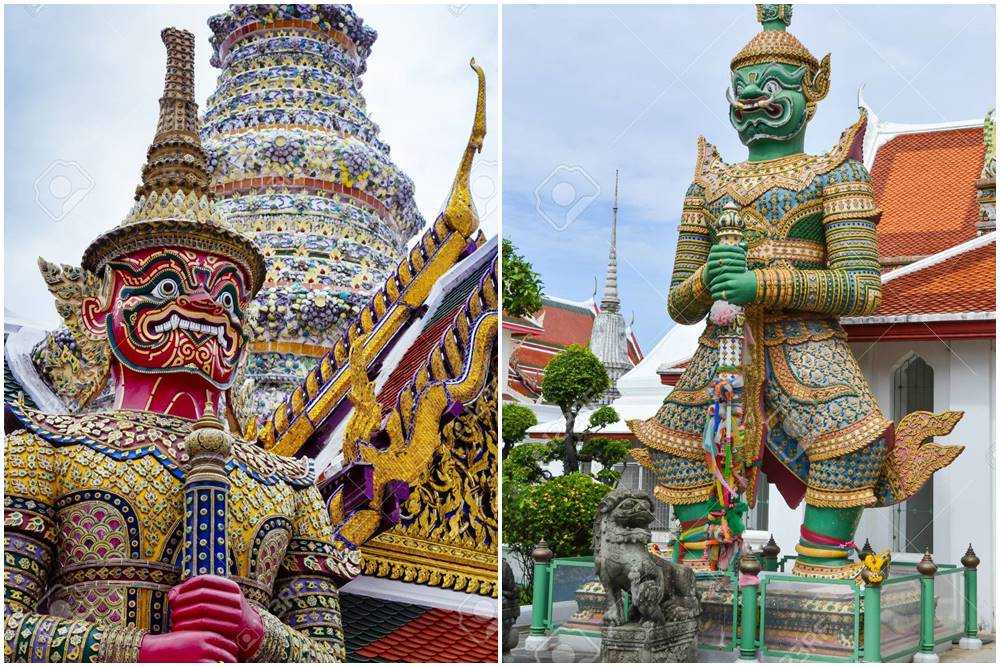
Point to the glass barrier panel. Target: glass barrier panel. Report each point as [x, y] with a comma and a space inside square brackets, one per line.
[715, 627]
[900, 622]
[810, 618]
[949, 615]
[578, 598]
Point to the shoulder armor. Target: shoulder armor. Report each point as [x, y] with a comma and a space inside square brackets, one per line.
[746, 181]
[709, 168]
[268, 467]
[126, 434]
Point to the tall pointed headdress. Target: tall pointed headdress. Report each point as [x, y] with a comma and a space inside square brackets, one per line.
[774, 44]
[174, 205]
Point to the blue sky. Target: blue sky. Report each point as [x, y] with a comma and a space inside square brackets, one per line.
[80, 108]
[588, 89]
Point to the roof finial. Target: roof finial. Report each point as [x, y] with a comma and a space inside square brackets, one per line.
[176, 160]
[774, 17]
[610, 300]
[460, 211]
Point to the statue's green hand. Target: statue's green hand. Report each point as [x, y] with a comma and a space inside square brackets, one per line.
[737, 288]
[724, 261]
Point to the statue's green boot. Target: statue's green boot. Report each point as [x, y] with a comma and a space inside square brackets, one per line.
[826, 543]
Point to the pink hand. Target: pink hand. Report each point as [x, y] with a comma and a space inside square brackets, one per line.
[216, 604]
[187, 646]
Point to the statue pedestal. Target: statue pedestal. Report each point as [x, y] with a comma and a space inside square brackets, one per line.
[674, 641]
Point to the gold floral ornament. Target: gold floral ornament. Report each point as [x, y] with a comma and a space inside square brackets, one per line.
[876, 568]
[913, 459]
[76, 378]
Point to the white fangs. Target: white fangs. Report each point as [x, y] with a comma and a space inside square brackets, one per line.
[175, 322]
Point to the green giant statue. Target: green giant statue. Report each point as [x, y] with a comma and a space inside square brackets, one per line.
[787, 398]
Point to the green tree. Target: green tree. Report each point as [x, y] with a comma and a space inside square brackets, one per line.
[573, 378]
[604, 451]
[601, 417]
[524, 464]
[516, 420]
[559, 511]
[608, 453]
[522, 288]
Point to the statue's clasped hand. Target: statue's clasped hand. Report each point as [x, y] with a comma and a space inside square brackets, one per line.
[213, 609]
[727, 275]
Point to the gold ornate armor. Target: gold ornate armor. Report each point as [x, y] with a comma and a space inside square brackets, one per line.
[93, 515]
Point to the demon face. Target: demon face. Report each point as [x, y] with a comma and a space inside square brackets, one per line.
[174, 310]
[768, 102]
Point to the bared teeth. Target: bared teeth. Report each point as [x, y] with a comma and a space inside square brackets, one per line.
[175, 322]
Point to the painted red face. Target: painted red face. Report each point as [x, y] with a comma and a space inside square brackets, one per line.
[177, 310]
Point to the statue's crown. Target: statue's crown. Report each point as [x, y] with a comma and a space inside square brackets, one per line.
[174, 203]
[774, 44]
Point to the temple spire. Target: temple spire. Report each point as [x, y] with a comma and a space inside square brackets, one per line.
[609, 335]
[610, 300]
[176, 160]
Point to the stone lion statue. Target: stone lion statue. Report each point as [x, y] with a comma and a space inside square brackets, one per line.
[660, 590]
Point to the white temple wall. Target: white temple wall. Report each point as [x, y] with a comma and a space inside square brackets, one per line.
[506, 350]
[965, 491]
[783, 523]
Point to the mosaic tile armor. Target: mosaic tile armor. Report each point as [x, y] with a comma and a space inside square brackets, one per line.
[298, 166]
[93, 517]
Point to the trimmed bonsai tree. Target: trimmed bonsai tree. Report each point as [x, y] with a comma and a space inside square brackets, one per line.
[573, 378]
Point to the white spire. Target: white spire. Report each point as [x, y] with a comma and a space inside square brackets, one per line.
[609, 335]
[610, 300]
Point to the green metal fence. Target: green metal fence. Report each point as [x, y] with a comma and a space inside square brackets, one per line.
[567, 576]
[798, 618]
[719, 622]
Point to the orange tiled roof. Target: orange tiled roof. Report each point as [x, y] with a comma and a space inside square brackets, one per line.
[925, 184]
[959, 284]
[564, 324]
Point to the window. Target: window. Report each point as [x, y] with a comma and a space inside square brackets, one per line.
[913, 520]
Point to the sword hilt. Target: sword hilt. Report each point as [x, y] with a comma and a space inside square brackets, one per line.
[729, 228]
[206, 492]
